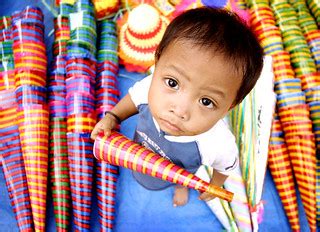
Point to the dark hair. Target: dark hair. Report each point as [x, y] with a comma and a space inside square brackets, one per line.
[225, 33]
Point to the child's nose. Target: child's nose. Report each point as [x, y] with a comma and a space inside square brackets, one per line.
[181, 109]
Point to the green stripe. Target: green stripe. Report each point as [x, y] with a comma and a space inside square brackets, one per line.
[61, 200]
[61, 184]
[61, 192]
[61, 176]
[61, 209]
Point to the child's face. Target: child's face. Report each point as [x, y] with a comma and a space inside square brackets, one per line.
[191, 89]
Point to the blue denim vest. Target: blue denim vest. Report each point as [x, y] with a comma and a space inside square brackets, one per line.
[185, 155]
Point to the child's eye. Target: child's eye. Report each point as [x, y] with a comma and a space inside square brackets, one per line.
[206, 102]
[172, 83]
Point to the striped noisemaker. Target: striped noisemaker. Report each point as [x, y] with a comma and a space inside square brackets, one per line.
[121, 151]
[11, 159]
[281, 170]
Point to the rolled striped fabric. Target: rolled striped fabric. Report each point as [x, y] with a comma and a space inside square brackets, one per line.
[121, 151]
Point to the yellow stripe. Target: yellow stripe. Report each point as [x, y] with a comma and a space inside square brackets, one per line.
[284, 186]
[306, 188]
[82, 119]
[19, 77]
[127, 154]
[307, 158]
[41, 115]
[119, 150]
[279, 163]
[304, 178]
[35, 206]
[166, 171]
[28, 57]
[177, 175]
[28, 126]
[37, 192]
[32, 176]
[292, 213]
[22, 47]
[307, 142]
[291, 191]
[30, 140]
[277, 139]
[101, 148]
[311, 170]
[279, 180]
[36, 169]
[309, 207]
[10, 111]
[12, 123]
[244, 219]
[31, 133]
[111, 146]
[37, 215]
[26, 162]
[300, 127]
[200, 183]
[136, 157]
[26, 152]
[146, 161]
[33, 111]
[33, 51]
[33, 198]
[155, 166]
[80, 127]
[37, 184]
[295, 111]
[187, 180]
[297, 98]
[38, 66]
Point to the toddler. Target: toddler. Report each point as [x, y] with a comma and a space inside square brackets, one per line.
[206, 63]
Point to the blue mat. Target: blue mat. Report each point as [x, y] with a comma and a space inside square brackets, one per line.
[138, 209]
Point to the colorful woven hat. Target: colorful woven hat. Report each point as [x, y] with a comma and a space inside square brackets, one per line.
[140, 36]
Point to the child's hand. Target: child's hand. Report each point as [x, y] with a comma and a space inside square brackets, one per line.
[106, 125]
[206, 196]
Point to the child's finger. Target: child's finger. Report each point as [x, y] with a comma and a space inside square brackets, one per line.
[95, 132]
[107, 132]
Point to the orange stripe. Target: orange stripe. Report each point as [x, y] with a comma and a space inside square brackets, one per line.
[166, 171]
[80, 127]
[32, 153]
[36, 199]
[146, 161]
[82, 119]
[32, 176]
[177, 175]
[28, 140]
[136, 157]
[188, 179]
[112, 145]
[127, 154]
[101, 148]
[36, 169]
[287, 192]
[119, 150]
[156, 166]
[38, 66]
[9, 124]
[38, 215]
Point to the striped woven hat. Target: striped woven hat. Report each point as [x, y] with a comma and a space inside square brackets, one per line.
[140, 36]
